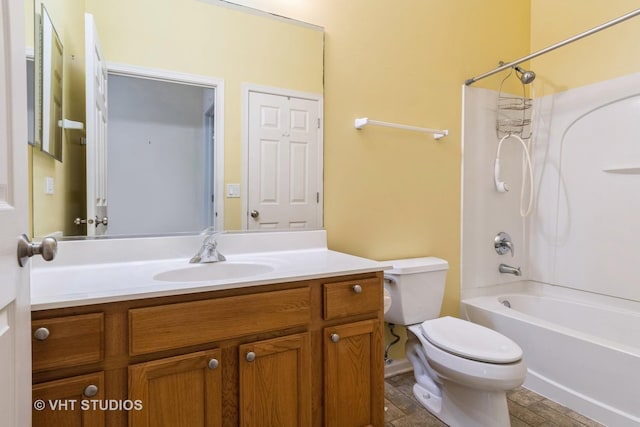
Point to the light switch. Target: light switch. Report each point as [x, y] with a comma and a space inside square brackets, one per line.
[233, 191]
[48, 185]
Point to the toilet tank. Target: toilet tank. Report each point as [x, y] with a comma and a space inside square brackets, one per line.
[416, 287]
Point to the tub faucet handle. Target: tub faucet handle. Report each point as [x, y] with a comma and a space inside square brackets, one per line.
[503, 244]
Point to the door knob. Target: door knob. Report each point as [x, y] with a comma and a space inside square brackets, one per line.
[26, 249]
[254, 214]
[251, 356]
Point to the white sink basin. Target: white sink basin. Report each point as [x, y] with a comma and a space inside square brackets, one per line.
[213, 271]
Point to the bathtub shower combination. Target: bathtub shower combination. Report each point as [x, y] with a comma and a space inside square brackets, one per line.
[581, 352]
[575, 308]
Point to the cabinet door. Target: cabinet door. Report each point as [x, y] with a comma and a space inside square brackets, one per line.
[177, 391]
[275, 382]
[354, 375]
[69, 402]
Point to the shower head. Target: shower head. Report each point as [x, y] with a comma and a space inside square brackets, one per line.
[525, 77]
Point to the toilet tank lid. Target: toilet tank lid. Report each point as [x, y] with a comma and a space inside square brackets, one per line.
[417, 265]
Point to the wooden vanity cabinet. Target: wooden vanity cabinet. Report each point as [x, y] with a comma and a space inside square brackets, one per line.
[260, 356]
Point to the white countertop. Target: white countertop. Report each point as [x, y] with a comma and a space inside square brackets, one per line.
[101, 271]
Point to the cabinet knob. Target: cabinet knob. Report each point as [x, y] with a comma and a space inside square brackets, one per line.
[91, 390]
[357, 289]
[251, 356]
[335, 337]
[213, 363]
[41, 334]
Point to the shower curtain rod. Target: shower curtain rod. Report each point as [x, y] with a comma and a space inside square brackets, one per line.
[554, 46]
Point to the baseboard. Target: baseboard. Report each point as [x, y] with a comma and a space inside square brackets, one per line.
[399, 366]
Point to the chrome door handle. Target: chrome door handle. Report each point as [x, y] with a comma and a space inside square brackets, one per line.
[254, 214]
[26, 249]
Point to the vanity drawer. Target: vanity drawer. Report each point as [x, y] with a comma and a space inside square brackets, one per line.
[173, 326]
[353, 297]
[61, 342]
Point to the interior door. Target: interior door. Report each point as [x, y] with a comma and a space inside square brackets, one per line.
[96, 124]
[284, 161]
[15, 344]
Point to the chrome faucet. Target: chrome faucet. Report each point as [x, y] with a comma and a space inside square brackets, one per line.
[209, 250]
[504, 268]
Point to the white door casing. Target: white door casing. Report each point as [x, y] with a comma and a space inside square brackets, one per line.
[15, 342]
[283, 170]
[96, 129]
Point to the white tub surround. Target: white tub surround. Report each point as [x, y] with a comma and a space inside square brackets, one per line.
[581, 239]
[99, 271]
[559, 328]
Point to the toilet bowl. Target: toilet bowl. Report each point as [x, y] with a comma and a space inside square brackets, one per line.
[462, 369]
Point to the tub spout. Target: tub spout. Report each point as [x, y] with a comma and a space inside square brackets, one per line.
[504, 268]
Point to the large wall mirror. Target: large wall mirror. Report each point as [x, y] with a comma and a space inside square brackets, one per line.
[176, 70]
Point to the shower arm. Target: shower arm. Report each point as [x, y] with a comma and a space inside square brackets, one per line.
[554, 46]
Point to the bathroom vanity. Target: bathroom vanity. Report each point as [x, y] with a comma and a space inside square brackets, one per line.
[299, 345]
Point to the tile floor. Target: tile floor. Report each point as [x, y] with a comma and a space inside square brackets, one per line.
[525, 407]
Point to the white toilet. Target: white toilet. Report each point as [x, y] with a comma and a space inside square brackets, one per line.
[462, 370]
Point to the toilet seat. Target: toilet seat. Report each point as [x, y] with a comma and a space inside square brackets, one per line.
[470, 340]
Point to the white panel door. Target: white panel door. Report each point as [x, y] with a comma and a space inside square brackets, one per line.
[96, 118]
[284, 162]
[15, 342]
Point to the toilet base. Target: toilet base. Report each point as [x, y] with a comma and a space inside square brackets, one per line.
[465, 407]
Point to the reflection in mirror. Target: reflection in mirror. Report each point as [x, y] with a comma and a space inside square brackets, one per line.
[224, 42]
[50, 131]
[161, 137]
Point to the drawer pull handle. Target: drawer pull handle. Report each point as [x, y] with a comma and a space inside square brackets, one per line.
[251, 356]
[335, 337]
[41, 334]
[91, 390]
[213, 363]
[357, 289]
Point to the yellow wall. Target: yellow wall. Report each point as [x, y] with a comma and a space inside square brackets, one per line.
[393, 194]
[390, 193]
[610, 53]
[199, 38]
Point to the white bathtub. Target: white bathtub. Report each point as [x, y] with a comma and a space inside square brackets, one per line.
[582, 350]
